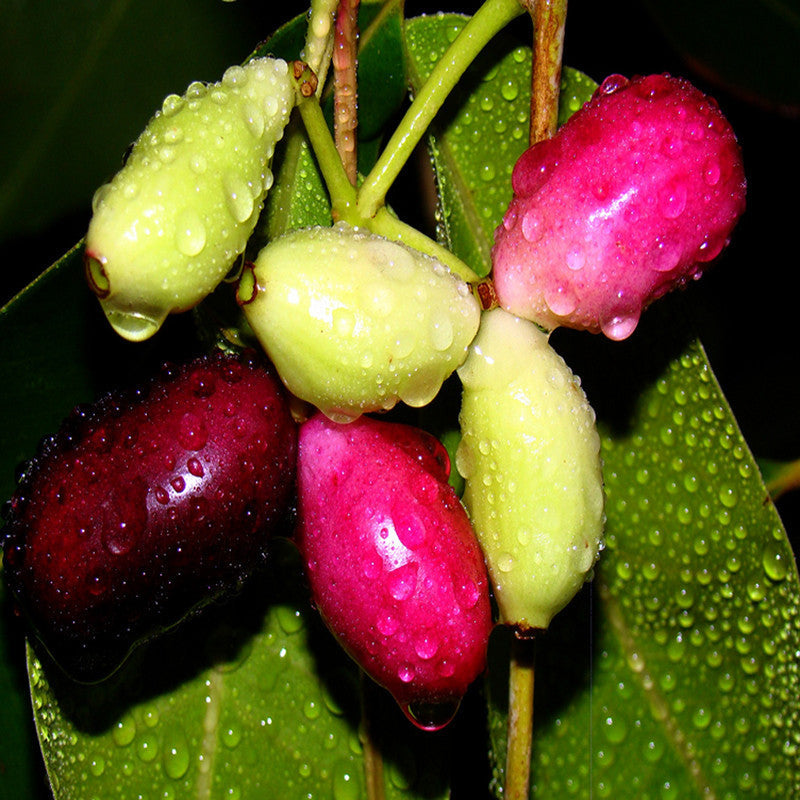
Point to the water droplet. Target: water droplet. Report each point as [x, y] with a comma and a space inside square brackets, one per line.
[620, 326]
[198, 164]
[509, 90]
[774, 562]
[560, 300]
[238, 197]
[190, 236]
[124, 731]
[192, 431]
[431, 716]
[426, 647]
[346, 785]
[712, 172]
[402, 581]
[673, 201]
[615, 730]
[441, 332]
[147, 748]
[290, 619]
[231, 736]
[176, 755]
[133, 325]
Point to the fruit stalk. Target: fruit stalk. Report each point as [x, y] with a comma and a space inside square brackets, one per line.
[521, 679]
[340, 189]
[549, 19]
[490, 18]
[373, 761]
[345, 92]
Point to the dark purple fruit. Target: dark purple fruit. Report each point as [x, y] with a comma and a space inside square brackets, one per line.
[147, 505]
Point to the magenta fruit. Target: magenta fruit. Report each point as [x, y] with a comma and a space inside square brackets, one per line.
[392, 561]
[634, 196]
[145, 506]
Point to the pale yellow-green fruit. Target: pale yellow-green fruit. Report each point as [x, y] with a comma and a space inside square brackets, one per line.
[354, 322]
[530, 457]
[171, 223]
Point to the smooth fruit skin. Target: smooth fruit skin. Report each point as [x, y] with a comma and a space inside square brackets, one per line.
[530, 457]
[355, 322]
[169, 226]
[147, 505]
[392, 560]
[632, 197]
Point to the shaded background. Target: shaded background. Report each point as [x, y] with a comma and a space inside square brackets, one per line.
[79, 80]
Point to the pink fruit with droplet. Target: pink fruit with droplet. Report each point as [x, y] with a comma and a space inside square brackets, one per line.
[632, 197]
[147, 505]
[392, 560]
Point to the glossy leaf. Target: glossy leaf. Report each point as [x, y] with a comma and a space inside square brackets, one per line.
[676, 674]
[252, 700]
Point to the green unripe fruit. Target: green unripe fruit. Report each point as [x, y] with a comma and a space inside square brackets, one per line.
[354, 322]
[530, 456]
[169, 226]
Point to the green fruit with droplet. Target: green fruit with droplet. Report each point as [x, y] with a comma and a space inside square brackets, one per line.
[354, 322]
[169, 226]
[530, 456]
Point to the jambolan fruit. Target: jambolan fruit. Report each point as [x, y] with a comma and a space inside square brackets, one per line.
[632, 197]
[355, 322]
[144, 506]
[530, 457]
[170, 224]
[392, 561]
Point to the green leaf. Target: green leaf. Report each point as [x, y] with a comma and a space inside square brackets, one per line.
[675, 674]
[682, 676]
[480, 132]
[251, 700]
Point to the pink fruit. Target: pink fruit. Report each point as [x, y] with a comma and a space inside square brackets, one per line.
[631, 198]
[147, 505]
[394, 566]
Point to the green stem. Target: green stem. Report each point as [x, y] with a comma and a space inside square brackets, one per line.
[520, 718]
[386, 224]
[490, 18]
[549, 20]
[341, 191]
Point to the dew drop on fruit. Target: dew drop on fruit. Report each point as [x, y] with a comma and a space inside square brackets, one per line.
[426, 647]
[560, 301]
[431, 716]
[673, 201]
[190, 234]
[402, 581]
[441, 332]
[192, 432]
[238, 197]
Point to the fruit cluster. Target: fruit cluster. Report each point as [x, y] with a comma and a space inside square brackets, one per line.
[144, 507]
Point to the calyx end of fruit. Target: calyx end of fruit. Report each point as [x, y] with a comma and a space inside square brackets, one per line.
[96, 277]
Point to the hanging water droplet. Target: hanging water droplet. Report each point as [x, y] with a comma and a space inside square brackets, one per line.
[431, 716]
